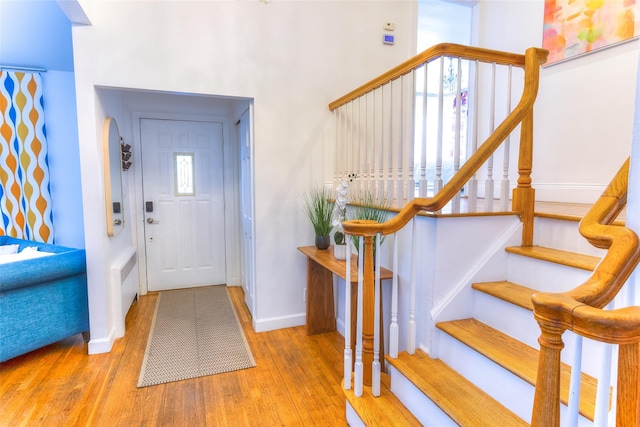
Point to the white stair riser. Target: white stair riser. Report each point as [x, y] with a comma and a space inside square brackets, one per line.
[420, 405]
[353, 420]
[511, 391]
[520, 324]
[498, 383]
[508, 318]
[562, 235]
[542, 275]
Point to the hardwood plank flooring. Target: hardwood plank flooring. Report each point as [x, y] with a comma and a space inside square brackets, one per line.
[296, 382]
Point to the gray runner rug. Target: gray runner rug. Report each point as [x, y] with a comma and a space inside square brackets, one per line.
[195, 332]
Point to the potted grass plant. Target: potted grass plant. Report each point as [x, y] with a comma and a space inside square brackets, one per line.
[367, 206]
[319, 209]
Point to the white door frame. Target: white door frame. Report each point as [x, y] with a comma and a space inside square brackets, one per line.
[232, 215]
[248, 181]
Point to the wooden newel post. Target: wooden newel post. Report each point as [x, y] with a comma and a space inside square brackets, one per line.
[367, 311]
[546, 403]
[524, 194]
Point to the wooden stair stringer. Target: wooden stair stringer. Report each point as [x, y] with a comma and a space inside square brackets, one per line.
[518, 358]
[385, 410]
[461, 400]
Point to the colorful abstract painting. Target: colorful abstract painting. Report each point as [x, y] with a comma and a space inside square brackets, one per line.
[25, 200]
[575, 27]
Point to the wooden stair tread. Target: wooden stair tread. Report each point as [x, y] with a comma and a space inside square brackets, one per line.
[385, 410]
[456, 396]
[570, 259]
[507, 291]
[518, 358]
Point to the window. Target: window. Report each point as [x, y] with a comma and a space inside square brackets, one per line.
[184, 174]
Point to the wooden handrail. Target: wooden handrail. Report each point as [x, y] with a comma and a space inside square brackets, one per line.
[473, 164]
[434, 52]
[580, 310]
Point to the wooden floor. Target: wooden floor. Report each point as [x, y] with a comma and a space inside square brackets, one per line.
[296, 383]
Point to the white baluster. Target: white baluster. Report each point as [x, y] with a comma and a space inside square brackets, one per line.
[382, 156]
[375, 368]
[401, 168]
[358, 146]
[339, 135]
[393, 329]
[410, 178]
[348, 357]
[472, 185]
[390, 164]
[504, 185]
[346, 141]
[423, 149]
[614, 386]
[374, 145]
[574, 385]
[340, 145]
[411, 335]
[384, 161]
[455, 205]
[382, 193]
[352, 146]
[358, 376]
[364, 174]
[488, 184]
[438, 180]
[604, 384]
[411, 190]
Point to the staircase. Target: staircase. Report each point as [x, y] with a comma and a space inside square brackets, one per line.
[472, 310]
[486, 365]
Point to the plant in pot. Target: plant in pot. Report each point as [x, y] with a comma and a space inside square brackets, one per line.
[340, 245]
[318, 208]
[368, 206]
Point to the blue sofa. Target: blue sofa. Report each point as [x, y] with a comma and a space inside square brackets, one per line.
[42, 300]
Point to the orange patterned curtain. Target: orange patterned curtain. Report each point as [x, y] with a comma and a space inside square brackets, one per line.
[25, 200]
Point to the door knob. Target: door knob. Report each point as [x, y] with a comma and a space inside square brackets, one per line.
[150, 220]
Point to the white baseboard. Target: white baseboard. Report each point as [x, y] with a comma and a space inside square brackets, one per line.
[100, 345]
[340, 326]
[273, 323]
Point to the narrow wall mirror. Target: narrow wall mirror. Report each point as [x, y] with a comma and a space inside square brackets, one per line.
[112, 158]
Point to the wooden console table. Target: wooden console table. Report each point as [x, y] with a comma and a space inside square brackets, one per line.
[321, 265]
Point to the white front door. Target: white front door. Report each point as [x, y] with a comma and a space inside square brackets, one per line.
[183, 187]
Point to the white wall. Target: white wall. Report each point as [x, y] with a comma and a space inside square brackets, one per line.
[584, 111]
[291, 58]
[443, 22]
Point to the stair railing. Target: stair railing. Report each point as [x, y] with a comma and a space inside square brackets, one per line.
[405, 133]
[367, 349]
[582, 310]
